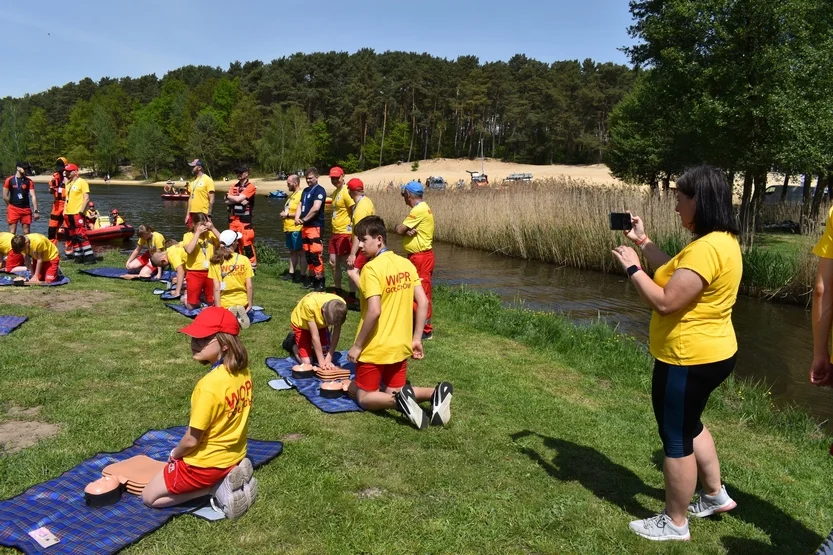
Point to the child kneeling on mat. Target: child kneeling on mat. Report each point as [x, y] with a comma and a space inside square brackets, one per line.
[310, 336]
[231, 274]
[139, 261]
[211, 456]
[41, 256]
[173, 256]
[199, 248]
[387, 334]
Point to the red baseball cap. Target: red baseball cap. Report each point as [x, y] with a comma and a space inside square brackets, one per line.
[355, 184]
[211, 320]
[335, 171]
[71, 168]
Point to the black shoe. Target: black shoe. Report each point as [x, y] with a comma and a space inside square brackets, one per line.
[296, 278]
[407, 404]
[441, 404]
[339, 291]
[90, 259]
[289, 343]
[318, 285]
[354, 304]
[288, 277]
[310, 283]
[427, 336]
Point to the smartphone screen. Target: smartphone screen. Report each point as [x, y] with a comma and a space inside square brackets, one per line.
[620, 221]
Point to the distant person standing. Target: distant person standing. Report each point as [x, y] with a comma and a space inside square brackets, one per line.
[202, 192]
[20, 199]
[107, 179]
[57, 188]
[310, 215]
[418, 241]
[292, 231]
[362, 208]
[340, 240]
[78, 195]
[240, 202]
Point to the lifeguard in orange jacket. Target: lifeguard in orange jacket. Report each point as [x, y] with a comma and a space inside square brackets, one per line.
[57, 188]
[240, 202]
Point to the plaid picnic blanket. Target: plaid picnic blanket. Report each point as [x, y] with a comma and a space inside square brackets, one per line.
[117, 273]
[310, 387]
[10, 323]
[9, 280]
[59, 504]
[256, 315]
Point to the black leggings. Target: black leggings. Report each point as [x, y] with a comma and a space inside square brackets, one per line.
[679, 395]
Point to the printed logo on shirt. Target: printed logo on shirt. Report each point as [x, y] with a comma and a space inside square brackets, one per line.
[398, 282]
[239, 400]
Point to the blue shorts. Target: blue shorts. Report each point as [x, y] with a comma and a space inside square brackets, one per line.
[294, 241]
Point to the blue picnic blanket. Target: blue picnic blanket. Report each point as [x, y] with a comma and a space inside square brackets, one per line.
[10, 323]
[117, 273]
[59, 504]
[310, 387]
[168, 295]
[256, 315]
[9, 280]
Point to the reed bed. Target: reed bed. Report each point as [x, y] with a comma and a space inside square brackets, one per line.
[561, 222]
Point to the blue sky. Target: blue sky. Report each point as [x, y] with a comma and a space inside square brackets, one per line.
[49, 43]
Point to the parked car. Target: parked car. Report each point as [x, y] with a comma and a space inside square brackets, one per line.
[478, 179]
[518, 178]
[795, 193]
[436, 182]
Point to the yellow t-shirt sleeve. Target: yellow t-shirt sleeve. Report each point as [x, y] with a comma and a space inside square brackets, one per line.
[209, 185]
[214, 272]
[249, 271]
[176, 255]
[824, 247]
[84, 187]
[701, 257]
[205, 409]
[413, 219]
[158, 241]
[369, 283]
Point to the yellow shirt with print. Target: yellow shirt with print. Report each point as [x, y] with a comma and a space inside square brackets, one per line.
[361, 210]
[342, 202]
[75, 196]
[702, 332]
[422, 220]
[41, 248]
[309, 309]
[156, 243]
[393, 278]
[824, 247]
[5, 242]
[199, 194]
[233, 272]
[202, 253]
[176, 255]
[220, 406]
[292, 203]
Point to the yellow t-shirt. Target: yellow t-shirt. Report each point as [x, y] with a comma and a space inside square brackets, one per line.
[233, 272]
[309, 308]
[176, 255]
[199, 258]
[393, 278]
[361, 210]
[702, 332]
[75, 196]
[199, 194]
[156, 243]
[292, 203]
[5, 242]
[220, 406]
[824, 247]
[422, 219]
[342, 201]
[41, 248]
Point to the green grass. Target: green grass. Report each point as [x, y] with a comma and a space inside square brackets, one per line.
[552, 447]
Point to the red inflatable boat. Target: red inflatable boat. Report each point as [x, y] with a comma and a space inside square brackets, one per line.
[109, 233]
[175, 196]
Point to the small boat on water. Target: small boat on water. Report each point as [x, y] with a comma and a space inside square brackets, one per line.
[101, 234]
[175, 196]
[277, 194]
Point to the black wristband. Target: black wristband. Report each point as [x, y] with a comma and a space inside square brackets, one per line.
[632, 270]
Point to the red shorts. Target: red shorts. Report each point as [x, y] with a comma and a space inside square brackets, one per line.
[371, 377]
[197, 282]
[361, 260]
[304, 341]
[49, 270]
[13, 260]
[15, 215]
[181, 477]
[340, 244]
[144, 258]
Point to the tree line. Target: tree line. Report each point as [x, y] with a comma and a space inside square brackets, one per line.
[746, 85]
[357, 110]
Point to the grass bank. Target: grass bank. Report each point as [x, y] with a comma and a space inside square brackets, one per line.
[558, 222]
[552, 447]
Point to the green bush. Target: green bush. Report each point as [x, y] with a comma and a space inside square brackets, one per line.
[415, 166]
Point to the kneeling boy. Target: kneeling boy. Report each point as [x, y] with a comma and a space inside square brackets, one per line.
[388, 335]
[173, 256]
[43, 258]
[310, 321]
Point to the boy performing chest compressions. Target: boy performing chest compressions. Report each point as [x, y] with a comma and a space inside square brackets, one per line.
[174, 256]
[43, 259]
[311, 340]
[387, 336]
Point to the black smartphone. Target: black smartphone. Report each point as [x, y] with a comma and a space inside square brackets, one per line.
[620, 221]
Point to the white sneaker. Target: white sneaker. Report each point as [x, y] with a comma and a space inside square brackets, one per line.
[708, 505]
[660, 528]
[241, 315]
[229, 496]
[441, 404]
[407, 404]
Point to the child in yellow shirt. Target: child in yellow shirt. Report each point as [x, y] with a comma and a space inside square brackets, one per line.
[231, 274]
[310, 339]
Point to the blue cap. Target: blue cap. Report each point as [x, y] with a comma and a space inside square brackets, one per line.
[413, 187]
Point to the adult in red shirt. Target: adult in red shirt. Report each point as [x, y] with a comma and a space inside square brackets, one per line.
[240, 202]
[19, 196]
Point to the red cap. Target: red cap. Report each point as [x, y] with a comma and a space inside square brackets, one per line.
[355, 184]
[335, 171]
[70, 168]
[211, 320]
